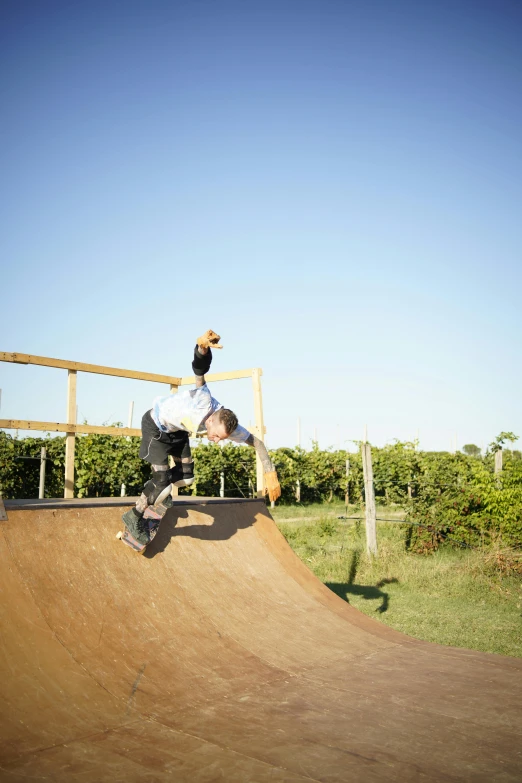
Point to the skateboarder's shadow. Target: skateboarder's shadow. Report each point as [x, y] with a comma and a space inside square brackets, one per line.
[212, 530]
[369, 592]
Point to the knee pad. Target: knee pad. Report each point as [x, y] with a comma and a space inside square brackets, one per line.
[158, 487]
[188, 469]
[188, 474]
[182, 475]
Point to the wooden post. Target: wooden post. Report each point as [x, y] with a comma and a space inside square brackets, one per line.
[175, 490]
[347, 493]
[298, 482]
[70, 437]
[369, 497]
[41, 488]
[260, 427]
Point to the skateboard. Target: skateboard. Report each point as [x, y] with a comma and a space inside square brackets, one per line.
[153, 516]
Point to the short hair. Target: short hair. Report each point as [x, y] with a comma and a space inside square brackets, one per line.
[229, 420]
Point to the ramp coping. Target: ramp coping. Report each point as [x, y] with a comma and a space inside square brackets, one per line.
[43, 503]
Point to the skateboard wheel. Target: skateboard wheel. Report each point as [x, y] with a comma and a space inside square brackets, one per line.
[119, 534]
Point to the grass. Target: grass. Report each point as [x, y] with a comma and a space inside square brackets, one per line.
[455, 597]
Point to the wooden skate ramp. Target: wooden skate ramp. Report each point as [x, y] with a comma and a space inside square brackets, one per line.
[218, 656]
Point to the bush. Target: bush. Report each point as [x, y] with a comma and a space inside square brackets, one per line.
[462, 501]
[20, 476]
[448, 498]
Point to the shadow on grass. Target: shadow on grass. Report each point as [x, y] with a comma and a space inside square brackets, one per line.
[368, 592]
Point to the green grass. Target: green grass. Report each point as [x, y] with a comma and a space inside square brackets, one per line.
[453, 597]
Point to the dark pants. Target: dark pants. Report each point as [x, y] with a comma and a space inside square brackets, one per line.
[156, 446]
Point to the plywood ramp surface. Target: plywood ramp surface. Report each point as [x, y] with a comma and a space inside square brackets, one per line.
[218, 656]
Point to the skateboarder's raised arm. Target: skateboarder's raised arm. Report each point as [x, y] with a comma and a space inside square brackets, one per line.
[201, 364]
[203, 355]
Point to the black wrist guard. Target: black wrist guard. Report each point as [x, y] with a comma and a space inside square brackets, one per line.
[201, 363]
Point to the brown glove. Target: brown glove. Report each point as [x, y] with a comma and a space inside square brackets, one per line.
[209, 340]
[272, 485]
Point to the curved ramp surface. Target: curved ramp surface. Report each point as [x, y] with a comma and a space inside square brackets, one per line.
[218, 656]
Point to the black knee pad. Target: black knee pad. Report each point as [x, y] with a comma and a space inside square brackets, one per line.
[182, 475]
[188, 469]
[158, 483]
[188, 474]
[174, 473]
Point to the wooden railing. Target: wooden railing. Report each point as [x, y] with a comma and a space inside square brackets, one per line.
[71, 428]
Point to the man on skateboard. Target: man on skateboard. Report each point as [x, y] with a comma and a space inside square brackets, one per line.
[165, 432]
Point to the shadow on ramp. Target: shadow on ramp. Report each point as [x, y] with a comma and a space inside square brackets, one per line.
[201, 524]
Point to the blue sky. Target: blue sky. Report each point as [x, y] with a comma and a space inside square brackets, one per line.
[335, 187]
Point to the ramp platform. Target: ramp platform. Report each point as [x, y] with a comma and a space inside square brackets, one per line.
[217, 656]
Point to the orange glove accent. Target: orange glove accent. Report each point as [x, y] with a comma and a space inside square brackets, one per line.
[209, 340]
[272, 485]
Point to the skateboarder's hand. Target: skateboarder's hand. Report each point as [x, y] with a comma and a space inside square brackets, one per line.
[272, 485]
[209, 340]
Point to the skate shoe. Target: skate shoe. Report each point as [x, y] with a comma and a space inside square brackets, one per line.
[136, 525]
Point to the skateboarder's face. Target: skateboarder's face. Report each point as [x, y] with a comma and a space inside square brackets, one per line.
[215, 429]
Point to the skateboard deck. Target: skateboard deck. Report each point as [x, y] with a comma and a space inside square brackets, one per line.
[153, 516]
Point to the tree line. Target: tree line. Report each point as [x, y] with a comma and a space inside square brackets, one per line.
[454, 496]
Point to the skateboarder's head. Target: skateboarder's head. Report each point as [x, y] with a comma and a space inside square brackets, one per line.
[221, 424]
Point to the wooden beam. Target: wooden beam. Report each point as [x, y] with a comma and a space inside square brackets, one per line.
[62, 364]
[79, 429]
[70, 440]
[83, 429]
[219, 376]
[174, 492]
[260, 426]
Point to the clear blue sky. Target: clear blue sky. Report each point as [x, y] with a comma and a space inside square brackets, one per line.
[335, 187]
